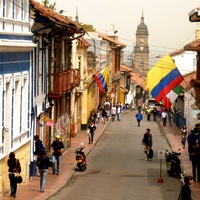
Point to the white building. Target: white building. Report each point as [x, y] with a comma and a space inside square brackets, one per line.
[15, 82]
[184, 60]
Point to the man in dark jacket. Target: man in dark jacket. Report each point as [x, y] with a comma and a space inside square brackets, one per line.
[38, 147]
[147, 142]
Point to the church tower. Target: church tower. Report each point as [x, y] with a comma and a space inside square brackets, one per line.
[141, 49]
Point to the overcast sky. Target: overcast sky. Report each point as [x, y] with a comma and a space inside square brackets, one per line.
[167, 20]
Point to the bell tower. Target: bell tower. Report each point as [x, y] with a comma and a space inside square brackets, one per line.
[141, 48]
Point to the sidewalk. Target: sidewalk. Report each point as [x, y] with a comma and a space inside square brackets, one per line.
[173, 135]
[54, 183]
[31, 189]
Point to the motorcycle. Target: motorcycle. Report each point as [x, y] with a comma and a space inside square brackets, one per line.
[81, 159]
[173, 163]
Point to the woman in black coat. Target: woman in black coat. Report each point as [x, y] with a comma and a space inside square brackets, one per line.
[14, 167]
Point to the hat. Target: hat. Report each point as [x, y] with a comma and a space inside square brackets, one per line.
[58, 136]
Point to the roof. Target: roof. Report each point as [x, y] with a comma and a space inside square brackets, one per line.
[108, 38]
[193, 46]
[83, 42]
[187, 78]
[194, 15]
[46, 19]
[124, 68]
[139, 79]
[178, 51]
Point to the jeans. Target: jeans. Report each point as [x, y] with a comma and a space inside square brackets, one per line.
[118, 116]
[43, 178]
[170, 121]
[56, 160]
[13, 184]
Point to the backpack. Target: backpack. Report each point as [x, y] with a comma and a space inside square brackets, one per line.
[43, 147]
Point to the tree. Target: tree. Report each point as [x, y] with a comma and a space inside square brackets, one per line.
[88, 27]
[46, 4]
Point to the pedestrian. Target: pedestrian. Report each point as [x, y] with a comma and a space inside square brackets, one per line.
[14, 167]
[113, 112]
[185, 193]
[43, 162]
[164, 117]
[184, 133]
[98, 117]
[118, 112]
[103, 116]
[197, 133]
[148, 113]
[38, 146]
[170, 116]
[91, 128]
[197, 151]
[147, 141]
[57, 150]
[155, 112]
[138, 117]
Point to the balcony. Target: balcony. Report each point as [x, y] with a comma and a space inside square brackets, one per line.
[63, 82]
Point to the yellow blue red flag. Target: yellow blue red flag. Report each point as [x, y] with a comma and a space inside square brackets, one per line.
[163, 77]
[103, 80]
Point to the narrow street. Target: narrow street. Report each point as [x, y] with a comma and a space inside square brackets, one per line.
[117, 168]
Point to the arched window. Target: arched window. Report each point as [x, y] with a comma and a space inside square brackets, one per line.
[141, 62]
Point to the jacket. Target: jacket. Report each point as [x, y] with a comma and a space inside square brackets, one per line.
[43, 161]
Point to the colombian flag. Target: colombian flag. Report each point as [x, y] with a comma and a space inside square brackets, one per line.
[163, 77]
[103, 80]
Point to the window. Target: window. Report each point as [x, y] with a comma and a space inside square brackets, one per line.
[141, 62]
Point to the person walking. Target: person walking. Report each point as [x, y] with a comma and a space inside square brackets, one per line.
[57, 150]
[118, 112]
[193, 154]
[155, 112]
[113, 112]
[185, 193]
[103, 116]
[148, 113]
[138, 117]
[38, 146]
[184, 133]
[91, 128]
[164, 117]
[14, 167]
[147, 141]
[170, 116]
[43, 162]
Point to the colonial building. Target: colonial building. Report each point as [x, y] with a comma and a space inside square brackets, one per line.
[55, 76]
[15, 86]
[141, 49]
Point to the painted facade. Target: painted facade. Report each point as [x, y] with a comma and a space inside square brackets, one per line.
[15, 86]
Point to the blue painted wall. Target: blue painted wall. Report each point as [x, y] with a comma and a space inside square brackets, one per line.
[13, 62]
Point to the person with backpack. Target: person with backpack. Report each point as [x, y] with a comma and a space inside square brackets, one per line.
[147, 141]
[43, 162]
[38, 147]
[138, 117]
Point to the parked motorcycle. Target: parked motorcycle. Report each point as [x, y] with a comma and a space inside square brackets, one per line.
[81, 159]
[173, 163]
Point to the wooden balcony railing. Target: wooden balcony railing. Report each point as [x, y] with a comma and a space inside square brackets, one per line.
[62, 82]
